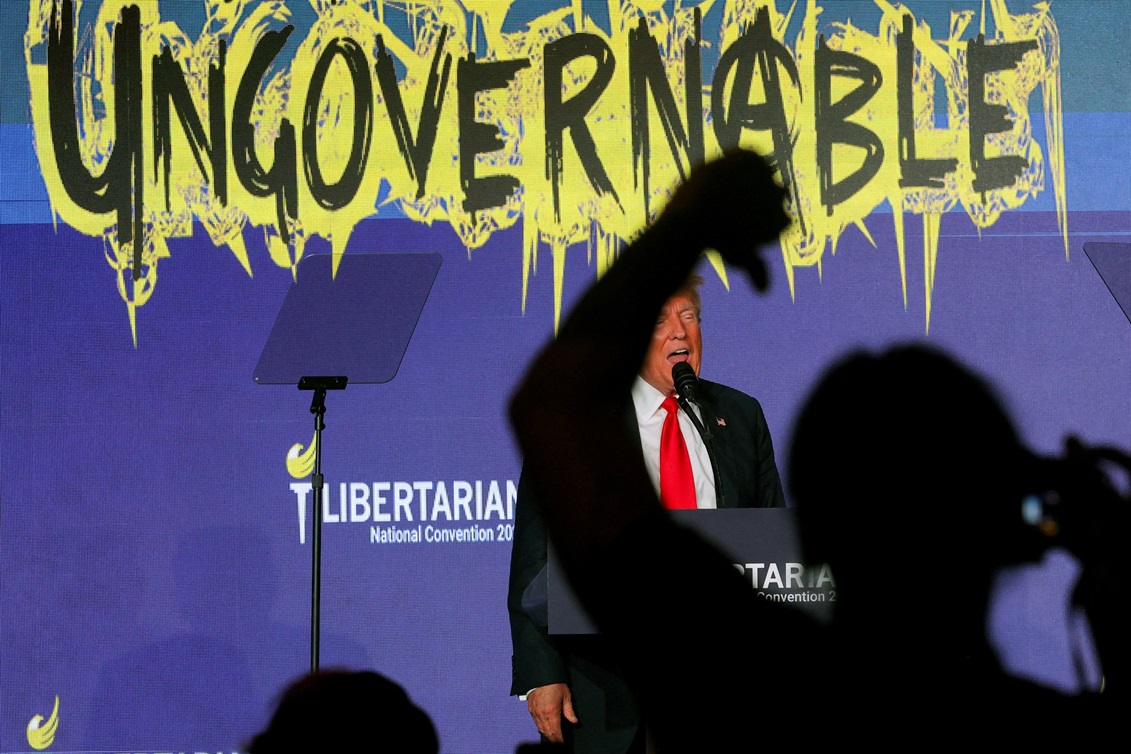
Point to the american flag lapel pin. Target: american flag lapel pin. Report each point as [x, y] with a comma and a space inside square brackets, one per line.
[721, 421]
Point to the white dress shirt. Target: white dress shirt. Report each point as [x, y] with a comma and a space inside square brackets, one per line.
[650, 416]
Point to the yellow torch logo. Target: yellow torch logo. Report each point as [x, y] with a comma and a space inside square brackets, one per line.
[41, 734]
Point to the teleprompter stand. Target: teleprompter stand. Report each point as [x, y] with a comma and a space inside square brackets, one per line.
[317, 407]
[333, 330]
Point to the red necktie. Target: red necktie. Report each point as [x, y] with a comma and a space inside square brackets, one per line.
[677, 482]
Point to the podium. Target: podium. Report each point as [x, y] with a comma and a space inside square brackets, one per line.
[761, 542]
[334, 330]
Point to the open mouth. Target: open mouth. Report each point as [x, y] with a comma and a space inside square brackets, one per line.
[679, 355]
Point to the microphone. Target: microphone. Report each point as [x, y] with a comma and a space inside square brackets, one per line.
[686, 383]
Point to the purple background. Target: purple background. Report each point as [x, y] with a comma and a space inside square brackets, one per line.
[152, 575]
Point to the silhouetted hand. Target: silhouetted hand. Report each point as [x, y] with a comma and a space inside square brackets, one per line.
[734, 206]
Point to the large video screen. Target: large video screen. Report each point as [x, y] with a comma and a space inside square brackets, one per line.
[173, 170]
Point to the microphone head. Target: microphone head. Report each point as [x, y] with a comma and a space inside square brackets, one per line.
[686, 383]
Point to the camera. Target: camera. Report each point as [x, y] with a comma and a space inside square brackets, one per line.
[1078, 502]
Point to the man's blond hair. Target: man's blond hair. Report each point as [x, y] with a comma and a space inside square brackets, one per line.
[691, 290]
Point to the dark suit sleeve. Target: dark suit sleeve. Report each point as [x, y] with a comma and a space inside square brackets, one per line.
[535, 661]
[769, 488]
[745, 450]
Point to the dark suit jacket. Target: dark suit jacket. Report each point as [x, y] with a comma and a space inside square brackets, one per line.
[608, 713]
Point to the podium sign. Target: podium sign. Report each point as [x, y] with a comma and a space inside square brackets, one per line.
[761, 542]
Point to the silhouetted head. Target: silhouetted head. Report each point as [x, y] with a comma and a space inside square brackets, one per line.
[904, 468]
[341, 710]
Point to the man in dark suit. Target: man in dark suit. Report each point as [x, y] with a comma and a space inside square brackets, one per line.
[573, 687]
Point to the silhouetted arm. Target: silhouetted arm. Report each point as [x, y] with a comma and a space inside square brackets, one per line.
[567, 413]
